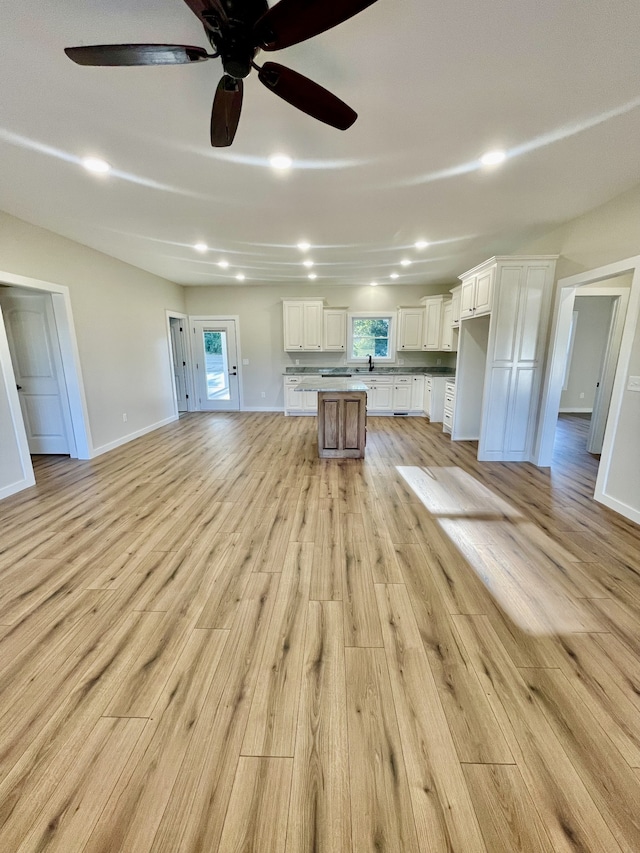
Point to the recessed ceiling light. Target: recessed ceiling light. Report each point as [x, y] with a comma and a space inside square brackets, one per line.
[304, 246]
[405, 262]
[281, 162]
[493, 158]
[422, 244]
[308, 262]
[201, 247]
[394, 275]
[312, 276]
[373, 284]
[240, 276]
[95, 164]
[223, 264]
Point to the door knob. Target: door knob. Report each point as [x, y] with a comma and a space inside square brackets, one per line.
[19, 387]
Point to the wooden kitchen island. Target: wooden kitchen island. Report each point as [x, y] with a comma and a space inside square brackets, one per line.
[342, 416]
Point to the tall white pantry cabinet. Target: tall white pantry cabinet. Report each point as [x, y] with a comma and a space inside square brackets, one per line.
[500, 356]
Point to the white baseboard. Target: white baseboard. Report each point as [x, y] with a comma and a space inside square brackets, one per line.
[19, 486]
[261, 409]
[572, 410]
[105, 448]
[618, 506]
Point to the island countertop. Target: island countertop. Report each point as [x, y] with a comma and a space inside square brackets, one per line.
[331, 384]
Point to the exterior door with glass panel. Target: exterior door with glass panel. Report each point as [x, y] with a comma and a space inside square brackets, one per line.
[216, 365]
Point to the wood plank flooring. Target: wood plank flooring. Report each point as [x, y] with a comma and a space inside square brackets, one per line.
[212, 640]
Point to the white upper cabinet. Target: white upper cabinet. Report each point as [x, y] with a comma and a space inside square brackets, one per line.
[432, 322]
[410, 324]
[446, 334]
[455, 306]
[335, 330]
[438, 331]
[303, 321]
[476, 294]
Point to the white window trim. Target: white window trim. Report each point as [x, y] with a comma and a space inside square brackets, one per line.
[385, 315]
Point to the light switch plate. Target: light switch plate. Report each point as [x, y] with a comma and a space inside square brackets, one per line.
[245, 361]
[634, 383]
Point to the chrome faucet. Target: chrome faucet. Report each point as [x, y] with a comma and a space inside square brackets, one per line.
[370, 364]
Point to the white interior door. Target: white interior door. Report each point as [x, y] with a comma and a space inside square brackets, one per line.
[37, 364]
[215, 353]
[179, 355]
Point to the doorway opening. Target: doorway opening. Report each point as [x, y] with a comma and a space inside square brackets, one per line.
[40, 375]
[179, 351]
[595, 334]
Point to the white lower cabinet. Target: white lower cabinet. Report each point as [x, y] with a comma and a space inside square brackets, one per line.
[298, 402]
[434, 388]
[379, 393]
[401, 396]
[448, 408]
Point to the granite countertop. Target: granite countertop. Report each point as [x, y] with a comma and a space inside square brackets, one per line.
[362, 372]
[331, 384]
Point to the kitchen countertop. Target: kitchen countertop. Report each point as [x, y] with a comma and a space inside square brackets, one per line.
[362, 372]
[331, 384]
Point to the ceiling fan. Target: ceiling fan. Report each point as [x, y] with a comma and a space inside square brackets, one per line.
[237, 30]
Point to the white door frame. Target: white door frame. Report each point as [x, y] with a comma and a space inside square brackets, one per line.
[557, 354]
[177, 315]
[80, 441]
[217, 318]
[619, 302]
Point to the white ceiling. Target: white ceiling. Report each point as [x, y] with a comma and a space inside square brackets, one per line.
[554, 82]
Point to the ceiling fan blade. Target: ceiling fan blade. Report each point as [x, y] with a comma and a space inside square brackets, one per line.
[227, 106]
[306, 95]
[136, 54]
[293, 21]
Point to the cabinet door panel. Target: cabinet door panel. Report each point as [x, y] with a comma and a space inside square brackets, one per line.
[467, 298]
[484, 292]
[411, 323]
[313, 317]
[293, 325]
[335, 331]
[401, 398]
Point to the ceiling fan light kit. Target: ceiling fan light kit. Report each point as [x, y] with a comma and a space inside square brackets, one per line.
[237, 31]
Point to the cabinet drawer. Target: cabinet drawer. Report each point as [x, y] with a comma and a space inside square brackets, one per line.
[377, 380]
[448, 401]
[450, 388]
[402, 380]
[447, 419]
[292, 380]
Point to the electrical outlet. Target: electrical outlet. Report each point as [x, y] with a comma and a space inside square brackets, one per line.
[438, 361]
[245, 361]
[401, 361]
[263, 395]
[297, 361]
[124, 417]
[582, 395]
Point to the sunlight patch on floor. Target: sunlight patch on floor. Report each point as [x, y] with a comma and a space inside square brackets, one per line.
[526, 572]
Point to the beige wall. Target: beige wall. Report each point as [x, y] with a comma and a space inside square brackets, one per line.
[605, 234]
[119, 319]
[261, 334]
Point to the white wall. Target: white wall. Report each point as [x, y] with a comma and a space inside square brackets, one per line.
[120, 323]
[591, 334]
[261, 334]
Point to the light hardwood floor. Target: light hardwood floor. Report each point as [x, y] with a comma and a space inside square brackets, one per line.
[211, 640]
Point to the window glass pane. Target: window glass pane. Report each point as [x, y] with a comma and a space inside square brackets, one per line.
[215, 353]
[370, 337]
